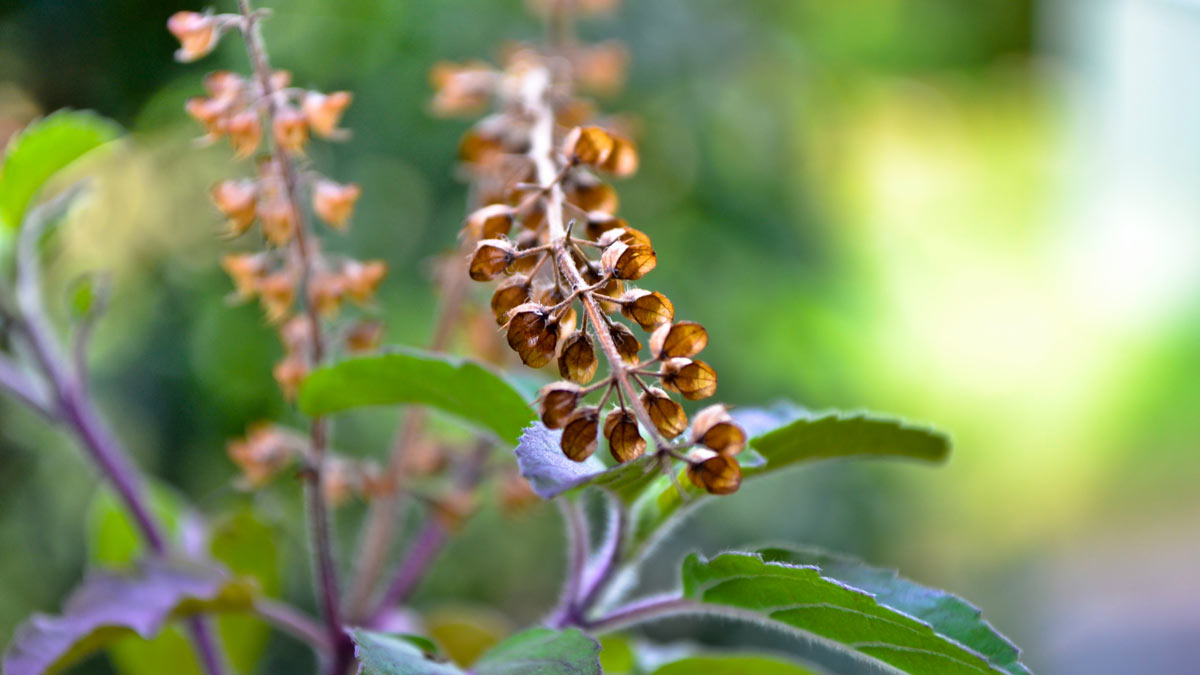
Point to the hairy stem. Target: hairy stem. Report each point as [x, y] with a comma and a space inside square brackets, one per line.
[646, 609]
[577, 558]
[325, 571]
[610, 556]
[292, 621]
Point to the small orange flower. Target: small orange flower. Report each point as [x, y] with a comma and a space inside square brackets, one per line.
[197, 34]
[334, 202]
[324, 111]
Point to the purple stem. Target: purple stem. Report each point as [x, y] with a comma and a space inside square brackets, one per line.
[648, 609]
[420, 556]
[610, 556]
[293, 622]
[570, 609]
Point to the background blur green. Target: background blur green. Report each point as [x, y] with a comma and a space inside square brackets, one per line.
[979, 214]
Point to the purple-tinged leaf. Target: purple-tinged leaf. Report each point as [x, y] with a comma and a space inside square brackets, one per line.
[110, 605]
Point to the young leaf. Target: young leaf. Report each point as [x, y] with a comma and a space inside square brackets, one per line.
[948, 614]
[539, 651]
[844, 435]
[823, 611]
[459, 387]
[108, 606]
[43, 149]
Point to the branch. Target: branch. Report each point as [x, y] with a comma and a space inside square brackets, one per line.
[318, 513]
[577, 559]
[292, 621]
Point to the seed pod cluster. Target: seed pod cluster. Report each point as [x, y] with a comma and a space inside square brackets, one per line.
[264, 116]
[547, 229]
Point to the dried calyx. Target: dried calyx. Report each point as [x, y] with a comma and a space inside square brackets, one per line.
[549, 232]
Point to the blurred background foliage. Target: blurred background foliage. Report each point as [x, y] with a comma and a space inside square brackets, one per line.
[979, 214]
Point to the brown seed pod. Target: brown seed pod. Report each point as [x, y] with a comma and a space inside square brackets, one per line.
[719, 475]
[599, 222]
[650, 309]
[577, 360]
[236, 200]
[626, 342]
[491, 258]
[695, 380]
[623, 261]
[591, 194]
[714, 427]
[511, 293]
[623, 160]
[532, 335]
[667, 415]
[593, 274]
[364, 336]
[558, 402]
[490, 222]
[588, 145]
[525, 241]
[678, 340]
[625, 442]
[625, 233]
[580, 434]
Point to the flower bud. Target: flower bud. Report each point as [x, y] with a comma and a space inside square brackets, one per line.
[322, 112]
[224, 85]
[714, 427]
[650, 309]
[277, 291]
[289, 373]
[719, 475]
[334, 202]
[625, 442]
[246, 270]
[627, 343]
[577, 360]
[532, 334]
[510, 293]
[236, 200]
[208, 112]
[364, 336]
[362, 279]
[558, 402]
[491, 258]
[667, 415]
[245, 132]
[278, 219]
[264, 452]
[580, 434]
[602, 67]
[325, 292]
[695, 380]
[197, 34]
[623, 261]
[683, 339]
[588, 145]
[623, 160]
[490, 222]
[295, 334]
[290, 129]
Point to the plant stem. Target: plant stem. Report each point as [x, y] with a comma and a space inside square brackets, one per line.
[569, 609]
[74, 408]
[293, 622]
[380, 527]
[647, 609]
[610, 555]
[324, 571]
[429, 541]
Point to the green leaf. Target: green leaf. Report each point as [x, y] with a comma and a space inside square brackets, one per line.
[44, 148]
[847, 435]
[243, 543]
[108, 606]
[731, 665]
[459, 387]
[823, 611]
[540, 651]
[948, 614]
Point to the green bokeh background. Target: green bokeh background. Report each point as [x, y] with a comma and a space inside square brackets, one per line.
[978, 214]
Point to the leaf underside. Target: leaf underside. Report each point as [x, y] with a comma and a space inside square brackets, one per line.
[108, 606]
[539, 651]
